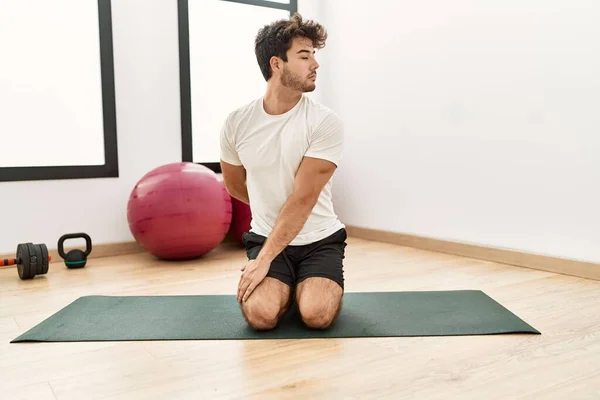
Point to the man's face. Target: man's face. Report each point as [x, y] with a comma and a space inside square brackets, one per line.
[300, 71]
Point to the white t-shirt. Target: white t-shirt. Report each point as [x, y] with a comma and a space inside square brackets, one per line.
[271, 147]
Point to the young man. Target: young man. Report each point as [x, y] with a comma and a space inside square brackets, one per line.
[278, 154]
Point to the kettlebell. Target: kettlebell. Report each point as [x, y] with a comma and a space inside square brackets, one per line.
[75, 258]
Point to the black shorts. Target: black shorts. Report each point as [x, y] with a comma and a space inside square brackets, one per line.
[323, 258]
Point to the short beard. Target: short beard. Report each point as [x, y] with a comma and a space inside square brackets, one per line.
[294, 82]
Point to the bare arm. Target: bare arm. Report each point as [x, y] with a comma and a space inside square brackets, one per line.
[313, 174]
[234, 177]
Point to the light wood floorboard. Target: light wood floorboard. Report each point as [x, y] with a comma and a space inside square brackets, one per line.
[562, 363]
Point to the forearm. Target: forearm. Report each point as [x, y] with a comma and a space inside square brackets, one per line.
[289, 223]
[239, 192]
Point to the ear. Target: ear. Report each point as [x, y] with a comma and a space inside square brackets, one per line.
[276, 63]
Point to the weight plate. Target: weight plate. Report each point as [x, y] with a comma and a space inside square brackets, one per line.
[33, 260]
[23, 257]
[40, 259]
[45, 263]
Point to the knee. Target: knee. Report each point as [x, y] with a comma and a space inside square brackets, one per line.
[317, 316]
[261, 316]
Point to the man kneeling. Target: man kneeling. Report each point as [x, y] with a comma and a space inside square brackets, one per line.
[311, 275]
[278, 154]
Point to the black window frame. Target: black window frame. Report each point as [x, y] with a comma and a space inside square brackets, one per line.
[110, 169]
[187, 148]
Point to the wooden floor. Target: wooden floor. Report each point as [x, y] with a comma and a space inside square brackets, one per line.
[562, 363]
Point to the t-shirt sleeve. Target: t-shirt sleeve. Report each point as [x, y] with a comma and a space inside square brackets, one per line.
[327, 140]
[228, 152]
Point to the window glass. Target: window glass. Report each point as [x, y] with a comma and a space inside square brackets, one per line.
[224, 74]
[51, 111]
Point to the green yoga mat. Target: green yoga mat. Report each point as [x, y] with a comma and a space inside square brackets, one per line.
[378, 314]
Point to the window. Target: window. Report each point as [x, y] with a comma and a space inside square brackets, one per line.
[57, 104]
[219, 72]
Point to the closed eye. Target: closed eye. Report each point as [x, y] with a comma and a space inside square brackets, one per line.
[304, 52]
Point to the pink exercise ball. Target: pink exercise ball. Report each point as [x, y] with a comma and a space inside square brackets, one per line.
[240, 220]
[179, 211]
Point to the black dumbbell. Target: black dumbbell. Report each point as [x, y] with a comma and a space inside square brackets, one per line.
[31, 260]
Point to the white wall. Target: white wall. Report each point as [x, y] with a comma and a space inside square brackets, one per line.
[149, 134]
[473, 121]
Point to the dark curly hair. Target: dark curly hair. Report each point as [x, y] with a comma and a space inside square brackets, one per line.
[275, 39]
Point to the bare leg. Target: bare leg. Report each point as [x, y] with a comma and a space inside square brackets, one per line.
[267, 304]
[319, 301]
